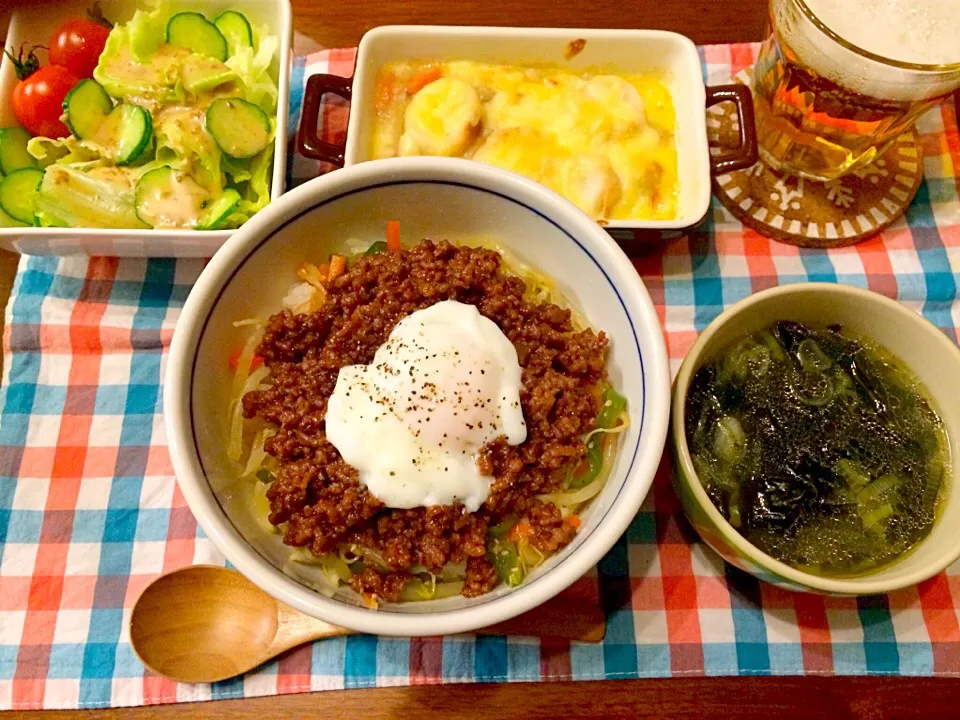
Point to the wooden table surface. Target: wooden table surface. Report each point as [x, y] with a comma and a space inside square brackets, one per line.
[340, 24]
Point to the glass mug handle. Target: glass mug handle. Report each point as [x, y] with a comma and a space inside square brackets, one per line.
[745, 154]
[309, 142]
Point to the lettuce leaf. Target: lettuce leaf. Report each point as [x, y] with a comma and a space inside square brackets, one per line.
[255, 192]
[253, 68]
[200, 74]
[100, 197]
[238, 169]
[65, 150]
[136, 63]
[184, 144]
[148, 31]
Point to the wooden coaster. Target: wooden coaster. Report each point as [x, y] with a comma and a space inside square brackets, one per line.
[810, 213]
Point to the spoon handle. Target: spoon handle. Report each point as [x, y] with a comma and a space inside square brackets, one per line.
[564, 616]
[296, 628]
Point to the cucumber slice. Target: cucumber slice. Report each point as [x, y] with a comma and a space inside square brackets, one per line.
[200, 73]
[236, 29]
[126, 132]
[18, 194]
[86, 106]
[240, 128]
[168, 198]
[192, 31]
[13, 150]
[8, 222]
[217, 211]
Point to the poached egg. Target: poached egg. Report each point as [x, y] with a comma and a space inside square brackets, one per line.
[446, 382]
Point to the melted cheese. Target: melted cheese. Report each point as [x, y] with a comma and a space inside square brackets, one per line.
[603, 141]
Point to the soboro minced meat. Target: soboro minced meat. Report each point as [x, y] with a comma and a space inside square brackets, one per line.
[318, 495]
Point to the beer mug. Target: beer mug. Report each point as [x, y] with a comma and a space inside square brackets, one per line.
[827, 102]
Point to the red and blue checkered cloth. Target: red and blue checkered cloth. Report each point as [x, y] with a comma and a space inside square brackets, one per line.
[90, 512]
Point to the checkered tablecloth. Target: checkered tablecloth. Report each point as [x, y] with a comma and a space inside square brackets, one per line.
[90, 512]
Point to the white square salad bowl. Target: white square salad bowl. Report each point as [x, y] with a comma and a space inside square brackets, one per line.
[669, 55]
[431, 197]
[33, 23]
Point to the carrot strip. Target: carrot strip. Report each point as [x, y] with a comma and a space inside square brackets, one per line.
[310, 273]
[521, 530]
[325, 271]
[423, 78]
[234, 360]
[393, 235]
[338, 266]
[573, 521]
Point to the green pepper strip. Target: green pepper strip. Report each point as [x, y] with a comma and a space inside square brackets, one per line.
[378, 247]
[506, 560]
[264, 475]
[613, 405]
[502, 528]
[594, 464]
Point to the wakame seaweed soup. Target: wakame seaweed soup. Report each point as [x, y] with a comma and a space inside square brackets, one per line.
[820, 448]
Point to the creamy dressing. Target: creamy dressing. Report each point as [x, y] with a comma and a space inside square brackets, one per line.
[178, 204]
[183, 141]
[164, 63]
[201, 73]
[204, 99]
[108, 135]
[178, 125]
[122, 179]
[153, 84]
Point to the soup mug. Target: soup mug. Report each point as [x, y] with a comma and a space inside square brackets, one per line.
[929, 354]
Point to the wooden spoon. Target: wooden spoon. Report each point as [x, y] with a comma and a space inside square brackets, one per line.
[206, 623]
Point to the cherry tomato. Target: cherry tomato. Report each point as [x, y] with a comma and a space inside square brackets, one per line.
[77, 44]
[38, 100]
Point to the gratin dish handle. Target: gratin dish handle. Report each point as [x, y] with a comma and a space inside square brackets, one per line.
[309, 141]
[745, 155]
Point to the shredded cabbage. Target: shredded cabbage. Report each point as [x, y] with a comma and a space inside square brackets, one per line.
[235, 447]
[257, 453]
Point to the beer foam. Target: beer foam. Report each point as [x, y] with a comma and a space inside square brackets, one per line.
[924, 32]
[894, 29]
